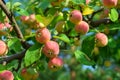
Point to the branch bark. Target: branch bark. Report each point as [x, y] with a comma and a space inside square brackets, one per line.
[12, 20]
[18, 56]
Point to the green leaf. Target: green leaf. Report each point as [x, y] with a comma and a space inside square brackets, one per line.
[78, 1]
[83, 58]
[63, 37]
[113, 15]
[21, 11]
[33, 54]
[14, 44]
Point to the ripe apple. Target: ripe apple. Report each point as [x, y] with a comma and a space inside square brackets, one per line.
[1, 26]
[88, 1]
[6, 75]
[55, 64]
[75, 16]
[101, 39]
[82, 27]
[109, 3]
[3, 48]
[51, 49]
[43, 35]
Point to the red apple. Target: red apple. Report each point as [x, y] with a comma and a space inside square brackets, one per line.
[51, 49]
[109, 3]
[6, 75]
[82, 27]
[43, 35]
[3, 48]
[75, 16]
[101, 39]
[55, 64]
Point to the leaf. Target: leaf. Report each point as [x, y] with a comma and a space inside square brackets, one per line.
[113, 15]
[44, 20]
[83, 58]
[21, 11]
[33, 54]
[12, 44]
[63, 37]
[87, 10]
[78, 1]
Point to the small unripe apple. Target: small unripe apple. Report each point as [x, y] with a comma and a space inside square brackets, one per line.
[109, 3]
[75, 16]
[60, 26]
[27, 75]
[32, 18]
[3, 48]
[6, 75]
[55, 64]
[101, 39]
[82, 27]
[43, 35]
[24, 19]
[51, 49]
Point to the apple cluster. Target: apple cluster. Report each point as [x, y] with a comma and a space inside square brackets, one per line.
[6, 75]
[5, 25]
[81, 26]
[50, 48]
[31, 21]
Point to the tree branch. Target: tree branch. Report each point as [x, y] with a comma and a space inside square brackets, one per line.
[13, 57]
[12, 20]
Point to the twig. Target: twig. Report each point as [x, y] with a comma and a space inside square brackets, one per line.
[18, 56]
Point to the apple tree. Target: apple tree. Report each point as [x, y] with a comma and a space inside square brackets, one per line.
[59, 39]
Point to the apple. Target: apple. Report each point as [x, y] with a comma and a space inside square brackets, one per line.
[109, 3]
[43, 35]
[51, 49]
[6, 75]
[3, 48]
[55, 64]
[101, 39]
[75, 16]
[82, 27]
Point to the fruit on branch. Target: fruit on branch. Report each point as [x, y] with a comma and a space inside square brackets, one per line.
[6, 75]
[51, 49]
[95, 50]
[75, 16]
[43, 35]
[3, 48]
[25, 19]
[101, 40]
[60, 26]
[29, 74]
[32, 18]
[109, 3]
[55, 64]
[88, 1]
[82, 27]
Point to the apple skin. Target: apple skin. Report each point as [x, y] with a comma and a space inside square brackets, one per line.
[88, 1]
[60, 26]
[6, 75]
[1, 26]
[43, 35]
[75, 16]
[51, 49]
[101, 39]
[82, 27]
[109, 3]
[3, 48]
[55, 64]
[26, 75]
[25, 19]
